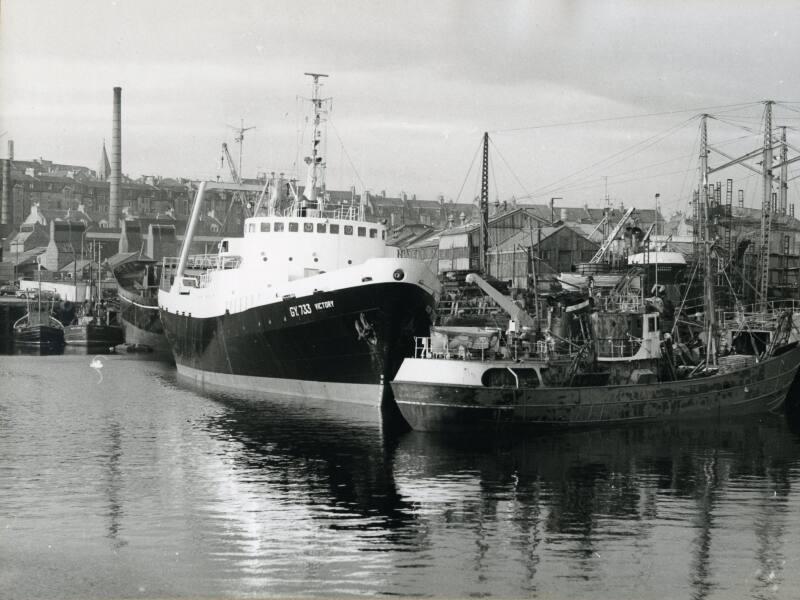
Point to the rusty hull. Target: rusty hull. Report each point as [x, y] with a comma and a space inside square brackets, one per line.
[756, 389]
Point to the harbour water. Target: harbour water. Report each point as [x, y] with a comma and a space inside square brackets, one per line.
[116, 482]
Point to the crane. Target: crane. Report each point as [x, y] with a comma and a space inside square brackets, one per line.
[240, 139]
[227, 156]
[612, 236]
[518, 314]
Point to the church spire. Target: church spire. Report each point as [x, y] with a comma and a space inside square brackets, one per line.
[104, 166]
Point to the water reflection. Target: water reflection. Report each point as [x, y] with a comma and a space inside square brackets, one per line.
[691, 498]
[34, 350]
[343, 453]
[137, 483]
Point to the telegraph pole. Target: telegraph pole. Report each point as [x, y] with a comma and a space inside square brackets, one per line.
[766, 203]
[484, 238]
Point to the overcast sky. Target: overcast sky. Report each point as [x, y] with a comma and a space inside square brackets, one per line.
[414, 85]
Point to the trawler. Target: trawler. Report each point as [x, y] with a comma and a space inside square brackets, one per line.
[310, 302]
[617, 356]
[614, 364]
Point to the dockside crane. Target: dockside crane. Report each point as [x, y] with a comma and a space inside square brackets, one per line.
[226, 155]
[601, 252]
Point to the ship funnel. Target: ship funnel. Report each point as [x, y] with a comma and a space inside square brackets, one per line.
[116, 160]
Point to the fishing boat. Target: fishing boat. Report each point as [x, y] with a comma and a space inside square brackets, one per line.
[93, 326]
[138, 282]
[38, 328]
[614, 356]
[627, 371]
[310, 302]
[89, 330]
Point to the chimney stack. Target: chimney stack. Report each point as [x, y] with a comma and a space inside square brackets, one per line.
[6, 207]
[116, 160]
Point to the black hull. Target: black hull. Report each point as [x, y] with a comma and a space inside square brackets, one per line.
[93, 335]
[343, 345]
[43, 336]
[139, 313]
[140, 318]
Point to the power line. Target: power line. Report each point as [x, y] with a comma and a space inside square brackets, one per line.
[621, 154]
[621, 118]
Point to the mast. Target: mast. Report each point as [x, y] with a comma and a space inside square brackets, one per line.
[766, 201]
[709, 312]
[484, 232]
[315, 162]
[239, 139]
[784, 173]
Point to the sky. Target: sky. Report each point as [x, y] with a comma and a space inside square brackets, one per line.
[581, 99]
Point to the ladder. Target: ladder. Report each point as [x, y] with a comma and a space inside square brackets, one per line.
[612, 236]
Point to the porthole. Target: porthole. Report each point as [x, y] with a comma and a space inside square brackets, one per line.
[316, 260]
[349, 262]
[290, 258]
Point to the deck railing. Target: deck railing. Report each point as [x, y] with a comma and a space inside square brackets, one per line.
[618, 347]
[426, 347]
[213, 261]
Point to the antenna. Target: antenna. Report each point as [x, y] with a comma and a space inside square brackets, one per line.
[240, 139]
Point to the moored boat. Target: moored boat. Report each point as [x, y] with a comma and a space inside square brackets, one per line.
[628, 380]
[39, 328]
[311, 302]
[138, 282]
[87, 331]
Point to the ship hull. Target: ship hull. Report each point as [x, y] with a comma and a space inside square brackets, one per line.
[93, 335]
[342, 345]
[152, 337]
[139, 312]
[428, 405]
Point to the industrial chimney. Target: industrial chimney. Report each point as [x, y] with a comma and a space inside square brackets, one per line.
[6, 217]
[116, 160]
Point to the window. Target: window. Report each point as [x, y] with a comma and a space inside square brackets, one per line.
[348, 230]
[373, 233]
[334, 228]
[308, 228]
[321, 227]
[265, 227]
[278, 227]
[362, 232]
[251, 227]
[383, 234]
[293, 227]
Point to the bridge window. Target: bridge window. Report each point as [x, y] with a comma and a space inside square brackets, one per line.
[334, 228]
[278, 227]
[308, 227]
[373, 233]
[251, 227]
[362, 232]
[265, 227]
[383, 234]
[321, 227]
[348, 230]
[294, 227]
